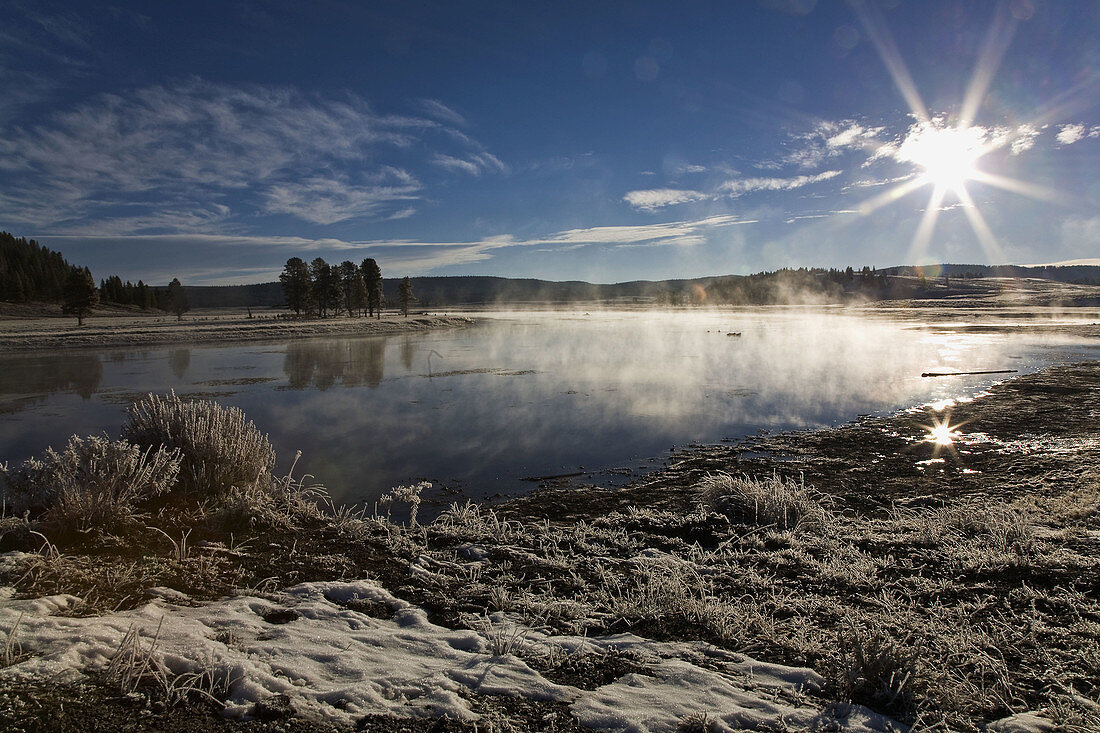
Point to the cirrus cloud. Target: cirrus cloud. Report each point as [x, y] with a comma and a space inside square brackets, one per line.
[254, 149]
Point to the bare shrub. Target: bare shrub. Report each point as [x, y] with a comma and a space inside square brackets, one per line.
[93, 483]
[783, 503]
[219, 447]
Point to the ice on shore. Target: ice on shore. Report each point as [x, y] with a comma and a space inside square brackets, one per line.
[337, 663]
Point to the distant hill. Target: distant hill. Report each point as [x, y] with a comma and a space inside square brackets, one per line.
[802, 285]
[433, 292]
[1078, 274]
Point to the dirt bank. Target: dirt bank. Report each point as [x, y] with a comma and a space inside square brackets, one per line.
[200, 327]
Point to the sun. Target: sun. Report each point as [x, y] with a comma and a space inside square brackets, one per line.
[945, 155]
[948, 156]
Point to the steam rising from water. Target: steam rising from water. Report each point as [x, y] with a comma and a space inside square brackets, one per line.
[529, 393]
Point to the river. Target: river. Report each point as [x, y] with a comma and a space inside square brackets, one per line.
[526, 394]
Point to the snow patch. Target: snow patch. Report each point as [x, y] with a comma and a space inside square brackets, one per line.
[337, 663]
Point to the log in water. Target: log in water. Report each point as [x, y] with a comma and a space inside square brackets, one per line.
[960, 374]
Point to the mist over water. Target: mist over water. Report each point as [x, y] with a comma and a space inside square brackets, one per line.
[525, 394]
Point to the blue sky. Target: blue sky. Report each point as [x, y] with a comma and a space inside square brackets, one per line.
[211, 141]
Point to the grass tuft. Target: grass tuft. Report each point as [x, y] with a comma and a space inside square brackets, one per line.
[785, 504]
[132, 664]
[13, 650]
[875, 670]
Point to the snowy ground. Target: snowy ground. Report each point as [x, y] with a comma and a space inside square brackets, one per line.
[337, 663]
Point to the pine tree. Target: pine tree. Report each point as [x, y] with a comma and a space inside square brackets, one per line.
[29, 271]
[358, 294]
[405, 294]
[80, 294]
[347, 272]
[295, 280]
[325, 289]
[372, 276]
[177, 299]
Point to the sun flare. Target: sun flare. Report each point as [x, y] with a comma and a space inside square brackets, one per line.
[947, 155]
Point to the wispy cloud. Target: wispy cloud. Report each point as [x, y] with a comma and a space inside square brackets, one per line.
[474, 164]
[820, 215]
[438, 110]
[653, 199]
[739, 187]
[329, 199]
[854, 135]
[258, 149]
[1023, 138]
[249, 258]
[874, 182]
[829, 139]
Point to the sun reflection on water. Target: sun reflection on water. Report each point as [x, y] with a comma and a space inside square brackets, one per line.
[942, 434]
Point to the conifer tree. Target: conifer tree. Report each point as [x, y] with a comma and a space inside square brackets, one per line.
[80, 294]
[325, 288]
[347, 272]
[295, 280]
[405, 294]
[372, 276]
[177, 299]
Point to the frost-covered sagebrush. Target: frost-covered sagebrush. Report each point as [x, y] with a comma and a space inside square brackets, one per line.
[93, 483]
[219, 447]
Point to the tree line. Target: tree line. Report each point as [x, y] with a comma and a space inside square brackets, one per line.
[805, 284]
[31, 272]
[321, 289]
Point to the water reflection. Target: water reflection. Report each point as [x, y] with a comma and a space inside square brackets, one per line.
[30, 378]
[323, 363]
[178, 361]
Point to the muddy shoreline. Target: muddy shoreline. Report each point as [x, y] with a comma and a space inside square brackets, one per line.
[1025, 435]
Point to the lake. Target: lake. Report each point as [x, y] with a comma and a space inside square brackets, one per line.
[526, 394]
